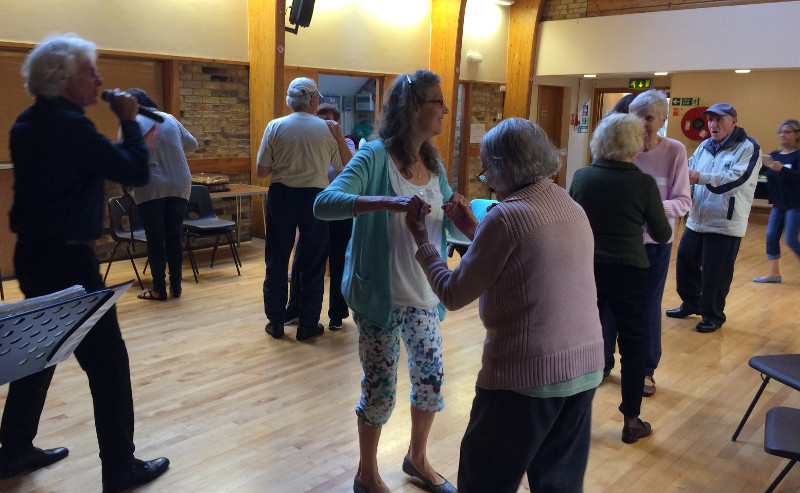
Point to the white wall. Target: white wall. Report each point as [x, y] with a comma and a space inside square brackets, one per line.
[378, 36]
[741, 36]
[486, 33]
[193, 28]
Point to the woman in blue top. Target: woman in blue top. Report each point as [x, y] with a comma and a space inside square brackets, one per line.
[783, 186]
[383, 284]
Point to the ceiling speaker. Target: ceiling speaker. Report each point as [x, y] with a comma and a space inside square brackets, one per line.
[301, 11]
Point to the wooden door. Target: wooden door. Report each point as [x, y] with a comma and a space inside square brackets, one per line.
[549, 115]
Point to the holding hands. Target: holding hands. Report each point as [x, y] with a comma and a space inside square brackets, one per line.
[458, 210]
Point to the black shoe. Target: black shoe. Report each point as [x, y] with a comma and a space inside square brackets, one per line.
[35, 459]
[680, 312]
[304, 333]
[136, 473]
[335, 324]
[275, 331]
[705, 326]
[445, 487]
[640, 429]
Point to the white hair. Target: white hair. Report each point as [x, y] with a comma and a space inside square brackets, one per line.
[653, 101]
[618, 137]
[53, 61]
[299, 103]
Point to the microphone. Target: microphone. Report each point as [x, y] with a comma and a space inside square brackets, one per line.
[108, 94]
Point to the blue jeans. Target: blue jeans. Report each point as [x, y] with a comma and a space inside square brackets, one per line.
[780, 220]
[163, 225]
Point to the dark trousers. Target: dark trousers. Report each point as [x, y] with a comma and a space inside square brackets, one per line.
[704, 271]
[339, 233]
[290, 209]
[42, 268]
[658, 255]
[621, 289]
[163, 224]
[510, 434]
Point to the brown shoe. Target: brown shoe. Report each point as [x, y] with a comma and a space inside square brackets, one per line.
[649, 387]
[640, 429]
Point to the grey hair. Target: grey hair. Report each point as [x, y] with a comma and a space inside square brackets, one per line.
[520, 153]
[795, 126]
[651, 100]
[299, 103]
[53, 61]
[618, 136]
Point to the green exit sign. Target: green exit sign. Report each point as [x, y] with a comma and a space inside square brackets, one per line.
[639, 84]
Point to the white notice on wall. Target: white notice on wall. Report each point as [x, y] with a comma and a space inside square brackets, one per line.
[476, 133]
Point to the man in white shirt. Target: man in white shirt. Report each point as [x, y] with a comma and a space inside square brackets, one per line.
[296, 151]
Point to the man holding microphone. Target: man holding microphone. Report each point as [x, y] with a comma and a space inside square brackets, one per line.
[60, 165]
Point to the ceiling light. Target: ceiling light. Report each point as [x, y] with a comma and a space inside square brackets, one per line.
[504, 2]
[590, 76]
[742, 71]
[661, 73]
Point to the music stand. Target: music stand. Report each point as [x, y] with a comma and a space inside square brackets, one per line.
[33, 340]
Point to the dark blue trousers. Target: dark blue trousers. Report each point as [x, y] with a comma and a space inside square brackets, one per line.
[163, 224]
[339, 233]
[621, 289]
[658, 255]
[43, 267]
[289, 210]
[510, 434]
[704, 271]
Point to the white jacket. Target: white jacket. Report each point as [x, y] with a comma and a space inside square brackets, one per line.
[722, 198]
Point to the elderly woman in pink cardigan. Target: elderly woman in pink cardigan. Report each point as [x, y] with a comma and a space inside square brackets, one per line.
[531, 265]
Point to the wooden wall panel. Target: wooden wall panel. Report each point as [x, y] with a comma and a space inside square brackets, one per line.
[447, 24]
[267, 46]
[522, 37]
[13, 98]
[116, 72]
[125, 73]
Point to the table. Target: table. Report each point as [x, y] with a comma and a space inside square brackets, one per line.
[239, 190]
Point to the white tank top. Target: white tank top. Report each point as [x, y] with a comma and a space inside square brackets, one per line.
[409, 284]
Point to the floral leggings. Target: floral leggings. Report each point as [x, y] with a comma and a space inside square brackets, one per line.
[379, 350]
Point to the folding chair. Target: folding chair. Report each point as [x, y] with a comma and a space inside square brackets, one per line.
[202, 222]
[784, 368]
[120, 208]
[782, 438]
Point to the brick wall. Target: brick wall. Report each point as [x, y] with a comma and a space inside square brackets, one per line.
[564, 9]
[487, 108]
[215, 108]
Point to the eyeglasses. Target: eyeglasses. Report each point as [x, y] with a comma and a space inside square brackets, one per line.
[481, 176]
[440, 101]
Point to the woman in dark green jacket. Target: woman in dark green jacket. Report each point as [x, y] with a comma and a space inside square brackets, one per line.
[620, 200]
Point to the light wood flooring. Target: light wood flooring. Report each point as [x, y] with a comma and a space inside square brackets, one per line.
[237, 411]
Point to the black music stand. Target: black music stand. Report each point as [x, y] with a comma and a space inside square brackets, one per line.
[33, 340]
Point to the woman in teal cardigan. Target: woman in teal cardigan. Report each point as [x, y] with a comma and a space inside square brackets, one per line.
[382, 283]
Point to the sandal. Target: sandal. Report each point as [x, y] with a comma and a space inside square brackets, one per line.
[148, 295]
[175, 291]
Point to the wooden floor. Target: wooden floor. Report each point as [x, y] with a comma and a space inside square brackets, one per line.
[237, 411]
